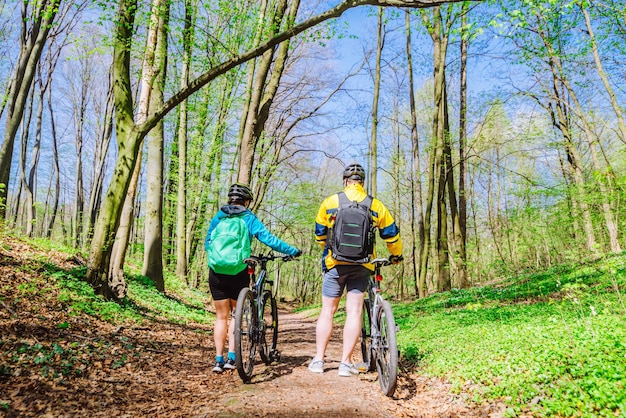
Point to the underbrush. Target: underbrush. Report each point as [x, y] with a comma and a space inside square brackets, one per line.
[55, 327]
[550, 344]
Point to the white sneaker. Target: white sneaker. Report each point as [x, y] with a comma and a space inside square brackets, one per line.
[316, 366]
[347, 370]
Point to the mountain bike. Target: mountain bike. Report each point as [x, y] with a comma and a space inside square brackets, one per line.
[379, 346]
[256, 318]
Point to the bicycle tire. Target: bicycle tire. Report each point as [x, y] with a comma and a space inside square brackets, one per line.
[387, 356]
[366, 336]
[245, 338]
[268, 327]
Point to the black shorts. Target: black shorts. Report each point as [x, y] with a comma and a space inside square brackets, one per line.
[225, 286]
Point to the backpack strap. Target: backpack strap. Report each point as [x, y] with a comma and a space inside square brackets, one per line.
[367, 202]
[343, 199]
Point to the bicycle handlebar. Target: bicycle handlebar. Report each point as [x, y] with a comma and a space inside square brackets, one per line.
[254, 259]
[386, 261]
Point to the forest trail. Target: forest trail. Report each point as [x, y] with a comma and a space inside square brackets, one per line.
[70, 365]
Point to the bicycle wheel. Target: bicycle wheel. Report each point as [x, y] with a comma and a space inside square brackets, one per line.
[245, 339]
[268, 328]
[366, 338]
[387, 356]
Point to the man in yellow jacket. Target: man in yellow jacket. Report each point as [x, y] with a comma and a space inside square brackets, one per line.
[342, 275]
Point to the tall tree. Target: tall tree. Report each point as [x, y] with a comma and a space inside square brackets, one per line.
[417, 214]
[36, 25]
[459, 222]
[153, 242]
[182, 255]
[265, 85]
[380, 41]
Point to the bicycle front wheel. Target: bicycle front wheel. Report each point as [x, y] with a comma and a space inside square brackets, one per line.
[387, 356]
[245, 338]
[268, 327]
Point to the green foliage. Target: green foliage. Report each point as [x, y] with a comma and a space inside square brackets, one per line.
[550, 344]
[145, 298]
[143, 301]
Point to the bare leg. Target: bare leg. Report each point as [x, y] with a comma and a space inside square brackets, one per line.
[324, 327]
[222, 311]
[352, 327]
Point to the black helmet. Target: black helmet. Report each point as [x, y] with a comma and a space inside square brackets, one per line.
[354, 172]
[240, 191]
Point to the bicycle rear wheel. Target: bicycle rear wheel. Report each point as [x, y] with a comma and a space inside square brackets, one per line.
[269, 328]
[387, 356]
[245, 338]
[366, 338]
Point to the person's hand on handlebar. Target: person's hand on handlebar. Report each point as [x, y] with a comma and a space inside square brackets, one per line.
[395, 259]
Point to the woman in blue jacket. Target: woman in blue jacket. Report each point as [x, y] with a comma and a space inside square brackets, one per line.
[225, 288]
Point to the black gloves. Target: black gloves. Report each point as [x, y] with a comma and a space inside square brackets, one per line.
[299, 253]
[395, 259]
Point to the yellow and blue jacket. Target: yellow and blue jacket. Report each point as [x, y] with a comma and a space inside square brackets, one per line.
[382, 219]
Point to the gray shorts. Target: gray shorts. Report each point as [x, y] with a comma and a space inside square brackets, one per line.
[353, 277]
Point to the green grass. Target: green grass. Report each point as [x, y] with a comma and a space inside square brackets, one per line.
[180, 304]
[551, 344]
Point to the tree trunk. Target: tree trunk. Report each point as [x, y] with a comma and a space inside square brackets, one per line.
[562, 123]
[182, 255]
[100, 155]
[34, 160]
[621, 133]
[153, 243]
[254, 121]
[460, 222]
[417, 216]
[129, 142]
[32, 43]
[374, 139]
[437, 32]
[23, 208]
[57, 168]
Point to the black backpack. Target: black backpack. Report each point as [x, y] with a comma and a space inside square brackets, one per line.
[351, 236]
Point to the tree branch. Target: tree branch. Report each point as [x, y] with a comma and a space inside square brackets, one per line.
[224, 67]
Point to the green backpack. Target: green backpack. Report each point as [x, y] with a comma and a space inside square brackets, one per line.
[230, 245]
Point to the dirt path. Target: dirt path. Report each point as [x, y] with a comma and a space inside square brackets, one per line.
[167, 373]
[288, 389]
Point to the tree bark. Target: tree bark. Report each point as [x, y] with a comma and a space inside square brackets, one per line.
[153, 243]
[374, 138]
[460, 222]
[182, 255]
[57, 168]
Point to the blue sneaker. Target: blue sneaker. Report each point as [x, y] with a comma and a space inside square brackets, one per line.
[229, 364]
[219, 367]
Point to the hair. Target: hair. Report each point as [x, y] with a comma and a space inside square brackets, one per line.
[236, 200]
